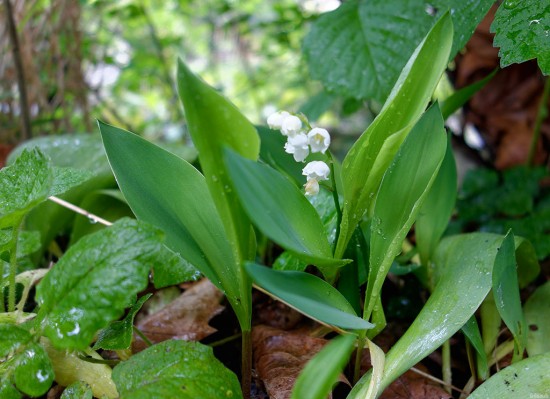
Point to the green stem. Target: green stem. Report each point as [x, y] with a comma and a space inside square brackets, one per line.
[541, 116]
[446, 367]
[225, 340]
[13, 267]
[361, 341]
[336, 200]
[142, 336]
[246, 368]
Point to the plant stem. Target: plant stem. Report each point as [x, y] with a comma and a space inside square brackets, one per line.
[80, 211]
[361, 340]
[336, 200]
[541, 116]
[142, 336]
[246, 367]
[26, 132]
[446, 367]
[13, 267]
[225, 340]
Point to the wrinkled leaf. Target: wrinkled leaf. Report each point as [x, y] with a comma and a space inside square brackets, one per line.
[118, 334]
[95, 281]
[171, 269]
[537, 315]
[369, 42]
[372, 153]
[184, 318]
[506, 293]
[184, 211]
[526, 379]
[175, 369]
[214, 123]
[280, 210]
[77, 390]
[27, 241]
[521, 31]
[322, 371]
[402, 192]
[309, 295]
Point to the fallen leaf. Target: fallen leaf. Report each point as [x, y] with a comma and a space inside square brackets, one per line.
[185, 318]
[279, 356]
[274, 313]
[412, 385]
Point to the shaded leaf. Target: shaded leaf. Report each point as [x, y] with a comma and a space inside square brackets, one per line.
[185, 318]
[537, 315]
[527, 378]
[521, 29]
[77, 390]
[308, 294]
[322, 371]
[280, 356]
[175, 369]
[118, 334]
[95, 281]
[471, 331]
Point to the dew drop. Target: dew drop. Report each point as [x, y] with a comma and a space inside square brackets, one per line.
[509, 4]
[92, 220]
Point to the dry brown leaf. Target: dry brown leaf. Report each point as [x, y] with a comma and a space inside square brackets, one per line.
[185, 318]
[412, 385]
[274, 313]
[279, 357]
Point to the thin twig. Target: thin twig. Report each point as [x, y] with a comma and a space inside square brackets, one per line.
[431, 377]
[26, 132]
[93, 218]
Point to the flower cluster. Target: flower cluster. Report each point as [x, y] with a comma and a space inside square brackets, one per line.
[301, 140]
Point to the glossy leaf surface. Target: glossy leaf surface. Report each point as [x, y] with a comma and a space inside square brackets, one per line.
[95, 281]
[537, 315]
[309, 295]
[372, 153]
[175, 369]
[317, 378]
[402, 192]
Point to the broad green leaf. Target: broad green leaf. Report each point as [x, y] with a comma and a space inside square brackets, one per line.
[169, 268]
[537, 316]
[280, 210]
[463, 280]
[118, 334]
[288, 261]
[27, 241]
[66, 178]
[23, 185]
[506, 293]
[521, 31]
[322, 371]
[471, 331]
[309, 295]
[402, 192]
[454, 102]
[369, 42]
[177, 200]
[77, 390]
[437, 208]
[95, 281]
[26, 361]
[272, 152]
[526, 379]
[175, 369]
[8, 391]
[372, 153]
[214, 123]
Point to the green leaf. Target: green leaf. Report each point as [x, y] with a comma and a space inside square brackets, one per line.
[537, 316]
[372, 153]
[214, 123]
[118, 335]
[272, 153]
[177, 200]
[521, 31]
[526, 379]
[471, 331]
[27, 361]
[8, 391]
[170, 268]
[463, 280]
[175, 369]
[280, 210]
[437, 208]
[66, 178]
[369, 42]
[402, 192]
[77, 390]
[24, 185]
[322, 371]
[309, 295]
[27, 242]
[506, 293]
[95, 281]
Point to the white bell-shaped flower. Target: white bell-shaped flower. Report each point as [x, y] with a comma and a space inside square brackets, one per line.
[317, 170]
[318, 139]
[291, 126]
[298, 147]
[312, 187]
[275, 120]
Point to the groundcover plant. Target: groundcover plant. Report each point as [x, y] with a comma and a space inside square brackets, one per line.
[280, 185]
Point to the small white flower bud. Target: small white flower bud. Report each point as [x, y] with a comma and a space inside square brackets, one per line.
[291, 126]
[275, 120]
[312, 187]
[317, 170]
[318, 139]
